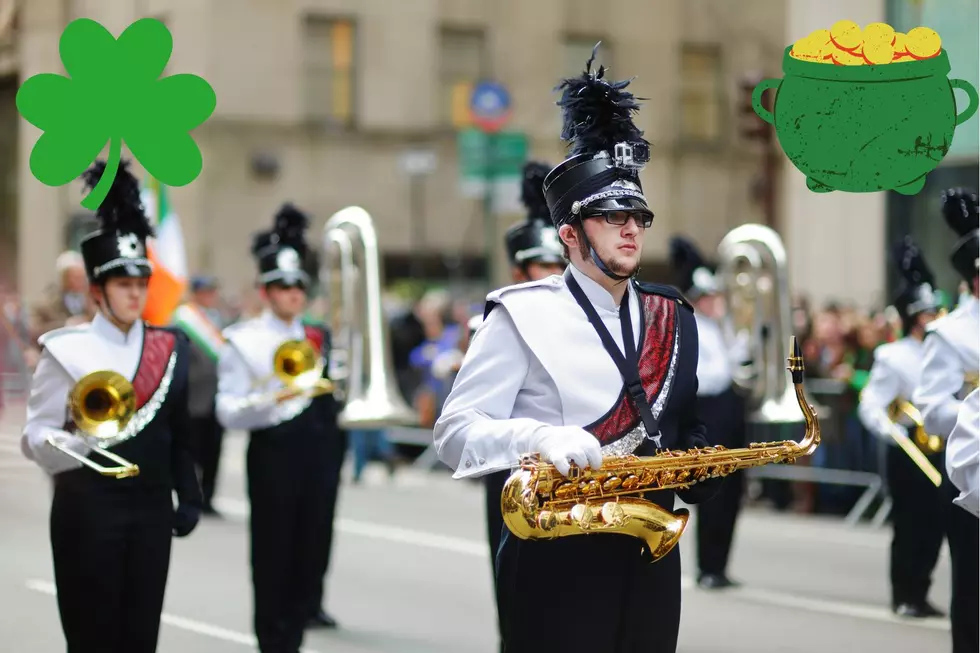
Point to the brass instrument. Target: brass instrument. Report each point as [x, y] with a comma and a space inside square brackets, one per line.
[921, 443]
[755, 280]
[539, 503]
[299, 368]
[101, 405]
[371, 397]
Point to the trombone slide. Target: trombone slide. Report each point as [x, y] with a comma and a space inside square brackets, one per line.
[916, 455]
[125, 469]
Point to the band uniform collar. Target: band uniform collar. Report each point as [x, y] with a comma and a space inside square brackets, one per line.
[106, 330]
[292, 329]
[599, 296]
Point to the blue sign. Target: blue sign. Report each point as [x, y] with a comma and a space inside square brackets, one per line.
[490, 106]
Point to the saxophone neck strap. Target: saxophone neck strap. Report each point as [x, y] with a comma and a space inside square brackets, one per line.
[628, 364]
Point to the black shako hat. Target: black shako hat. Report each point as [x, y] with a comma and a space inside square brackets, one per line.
[960, 210]
[694, 276]
[118, 247]
[535, 240]
[607, 150]
[918, 293]
[281, 253]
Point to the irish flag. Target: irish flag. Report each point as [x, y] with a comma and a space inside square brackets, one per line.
[166, 251]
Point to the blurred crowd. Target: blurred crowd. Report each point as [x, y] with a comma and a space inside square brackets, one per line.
[429, 336]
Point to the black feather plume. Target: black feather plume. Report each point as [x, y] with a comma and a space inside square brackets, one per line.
[911, 264]
[122, 210]
[290, 227]
[960, 210]
[684, 255]
[532, 190]
[596, 113]
[262, 241]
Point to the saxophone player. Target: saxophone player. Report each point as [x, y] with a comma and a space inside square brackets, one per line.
[295, 449]
[721, 407]
[951, 356]
[109, 602]
[578, 366]
[919, 508]
[963, 454]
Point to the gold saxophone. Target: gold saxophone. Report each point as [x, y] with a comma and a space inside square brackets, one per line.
[538, 503]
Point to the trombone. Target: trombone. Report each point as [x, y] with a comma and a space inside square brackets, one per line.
[299, 368]
[924, 442]
[101, 405]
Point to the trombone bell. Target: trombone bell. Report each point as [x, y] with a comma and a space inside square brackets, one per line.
[300, 370]
[101, 405]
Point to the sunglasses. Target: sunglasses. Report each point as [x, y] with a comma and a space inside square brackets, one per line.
[643, 219]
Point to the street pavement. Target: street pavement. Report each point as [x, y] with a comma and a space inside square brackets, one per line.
[410, 574]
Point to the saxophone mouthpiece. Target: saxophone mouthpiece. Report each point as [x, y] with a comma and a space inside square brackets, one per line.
[796, 361]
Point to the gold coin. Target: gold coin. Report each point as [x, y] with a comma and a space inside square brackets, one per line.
[878, 53]
[806, 50]
[902, 57]
[845, 58]
[819, 35]
[875, 32]
[923, 43]
[900, 43]
[846, 34]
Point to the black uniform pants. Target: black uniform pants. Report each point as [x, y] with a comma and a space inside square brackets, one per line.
[332, 473]
[964, 550]
[494, 484]
[724, 419]
[292, 497]
[111, 554]
[587, 593]
[919, 516]
[207, 437]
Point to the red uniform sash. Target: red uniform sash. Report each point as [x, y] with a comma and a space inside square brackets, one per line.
[315, 336]
[658, 326]
[158, 345]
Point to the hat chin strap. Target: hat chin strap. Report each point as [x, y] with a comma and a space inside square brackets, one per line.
[602, 266]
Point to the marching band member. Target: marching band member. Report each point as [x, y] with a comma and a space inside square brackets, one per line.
[719, 405]
[951, 354]
[111, 537]
[201, 321]
[579, 366]
[535, 253]
[963, 454]
[919, 508]
[295, 449]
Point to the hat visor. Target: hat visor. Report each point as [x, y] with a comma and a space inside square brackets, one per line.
[614, 204]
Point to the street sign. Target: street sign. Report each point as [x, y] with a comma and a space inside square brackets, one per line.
[490, 106]
[484, 155]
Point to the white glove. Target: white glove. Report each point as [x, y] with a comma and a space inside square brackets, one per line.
[562, 445]
[51, 459]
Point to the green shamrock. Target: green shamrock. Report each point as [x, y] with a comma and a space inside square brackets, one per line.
[114, 93]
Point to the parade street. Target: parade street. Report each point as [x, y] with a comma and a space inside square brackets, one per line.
[410, 574]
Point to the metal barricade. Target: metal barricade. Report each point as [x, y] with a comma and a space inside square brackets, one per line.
[829, 393]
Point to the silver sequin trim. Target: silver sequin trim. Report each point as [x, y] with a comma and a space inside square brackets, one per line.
[621, 192]
[120, 262]
[634, 438]
[149, 410]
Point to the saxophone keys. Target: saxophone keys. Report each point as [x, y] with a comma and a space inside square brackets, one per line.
[631, 482]
[547, 520]
[613, 514]
[582, 515]
[588, 487]
[612, 484]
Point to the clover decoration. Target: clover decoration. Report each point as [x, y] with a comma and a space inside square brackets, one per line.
[114, 93]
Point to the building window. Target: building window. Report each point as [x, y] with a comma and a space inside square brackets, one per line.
[328, 63]
[463, 62]
[578, 49]
[701, 94]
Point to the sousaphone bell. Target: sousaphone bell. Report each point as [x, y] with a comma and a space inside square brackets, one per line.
[101, 404]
